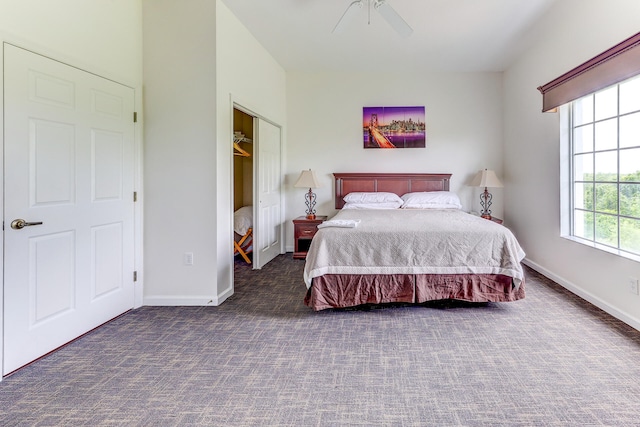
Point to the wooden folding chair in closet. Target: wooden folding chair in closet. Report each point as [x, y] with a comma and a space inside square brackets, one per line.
[244, 245]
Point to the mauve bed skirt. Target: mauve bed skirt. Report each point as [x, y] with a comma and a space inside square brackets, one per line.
[345, 290]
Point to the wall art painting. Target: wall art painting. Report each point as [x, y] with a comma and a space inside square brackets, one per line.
[394, 127]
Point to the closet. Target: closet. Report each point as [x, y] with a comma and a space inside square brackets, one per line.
[243, 158]
[257, 188]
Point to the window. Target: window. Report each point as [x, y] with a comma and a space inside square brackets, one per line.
[604, 168]
[599, 103]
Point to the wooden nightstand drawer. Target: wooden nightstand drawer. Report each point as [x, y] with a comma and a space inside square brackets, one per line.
[303, 231]
[307, 230]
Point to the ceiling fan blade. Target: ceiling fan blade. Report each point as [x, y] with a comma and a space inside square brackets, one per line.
[347, 16]
[391, 16]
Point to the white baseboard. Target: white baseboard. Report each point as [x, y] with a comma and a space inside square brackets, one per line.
[587, 296]
[224, 295]
[202, 301]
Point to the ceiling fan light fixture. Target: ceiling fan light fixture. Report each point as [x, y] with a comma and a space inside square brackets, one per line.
[393, 19]
[348, 16]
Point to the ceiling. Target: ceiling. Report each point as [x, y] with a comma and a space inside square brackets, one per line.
[448, 35]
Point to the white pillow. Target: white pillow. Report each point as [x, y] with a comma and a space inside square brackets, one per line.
[431, 200]
[382, 205]
[243, 220]
[363, 197]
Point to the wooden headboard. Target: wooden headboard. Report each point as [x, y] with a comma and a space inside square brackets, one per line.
[398, 183]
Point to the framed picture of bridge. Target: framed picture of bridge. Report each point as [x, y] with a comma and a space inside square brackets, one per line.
[394, 127]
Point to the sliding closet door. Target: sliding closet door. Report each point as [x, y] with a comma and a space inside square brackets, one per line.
[268, 206]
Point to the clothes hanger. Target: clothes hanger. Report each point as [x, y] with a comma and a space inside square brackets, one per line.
[237, 150]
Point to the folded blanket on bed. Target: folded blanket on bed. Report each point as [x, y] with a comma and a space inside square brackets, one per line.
[343, 223]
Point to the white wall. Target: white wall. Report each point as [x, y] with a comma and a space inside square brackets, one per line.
[103, 37]
[197, 58]
[249, 76]
[180, 151]
[463, 119]
[571, 33]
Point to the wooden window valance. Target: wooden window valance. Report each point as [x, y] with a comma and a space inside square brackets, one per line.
[614, 65]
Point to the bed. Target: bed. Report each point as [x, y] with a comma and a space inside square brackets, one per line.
[410, 253]
[243, 232]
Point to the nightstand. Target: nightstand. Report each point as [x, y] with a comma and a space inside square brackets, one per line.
[303, 231]
[494, 219]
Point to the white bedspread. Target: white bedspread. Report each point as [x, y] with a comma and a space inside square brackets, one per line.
[414, 241]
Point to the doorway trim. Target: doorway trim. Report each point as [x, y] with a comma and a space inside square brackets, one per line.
[238, 105]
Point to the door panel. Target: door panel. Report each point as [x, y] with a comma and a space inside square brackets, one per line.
[51, 274]
[51, 162]
[69, 141]
[268, 238]
[107, 172]
[106, 259]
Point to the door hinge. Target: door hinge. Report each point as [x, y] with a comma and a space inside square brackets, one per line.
[135, 276]
[135, 196]
[135, 117]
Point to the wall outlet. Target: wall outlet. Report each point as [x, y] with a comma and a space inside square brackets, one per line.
[188, 258]
[633, 285]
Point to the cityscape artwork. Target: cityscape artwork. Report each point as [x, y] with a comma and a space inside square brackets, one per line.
[394, 127]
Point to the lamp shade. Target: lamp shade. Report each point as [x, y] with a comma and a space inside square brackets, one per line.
[307, 179]
[485, 178]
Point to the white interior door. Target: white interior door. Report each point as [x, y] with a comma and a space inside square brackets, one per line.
[268, 236]
[69, 138]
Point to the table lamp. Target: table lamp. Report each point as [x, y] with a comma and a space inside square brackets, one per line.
[485, 178]
[307, 179]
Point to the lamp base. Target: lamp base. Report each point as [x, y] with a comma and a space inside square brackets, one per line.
[310, 201]
[485, 202]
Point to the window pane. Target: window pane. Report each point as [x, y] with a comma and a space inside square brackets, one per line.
[583, 139]
[606, 103]
[583, 196]
[630, 131]
[630, 235]
[583, 110]
[630, 96]
[607, 135]
[583, 224]
[630, 200]
[583, 167]
[630, 165]
[607, 198]
[607, 229]
[605, 147]
[606, 166]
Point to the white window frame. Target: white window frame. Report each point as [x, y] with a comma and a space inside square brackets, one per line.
[567, 184]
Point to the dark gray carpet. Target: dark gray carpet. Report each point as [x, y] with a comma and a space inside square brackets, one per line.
[262, 359]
